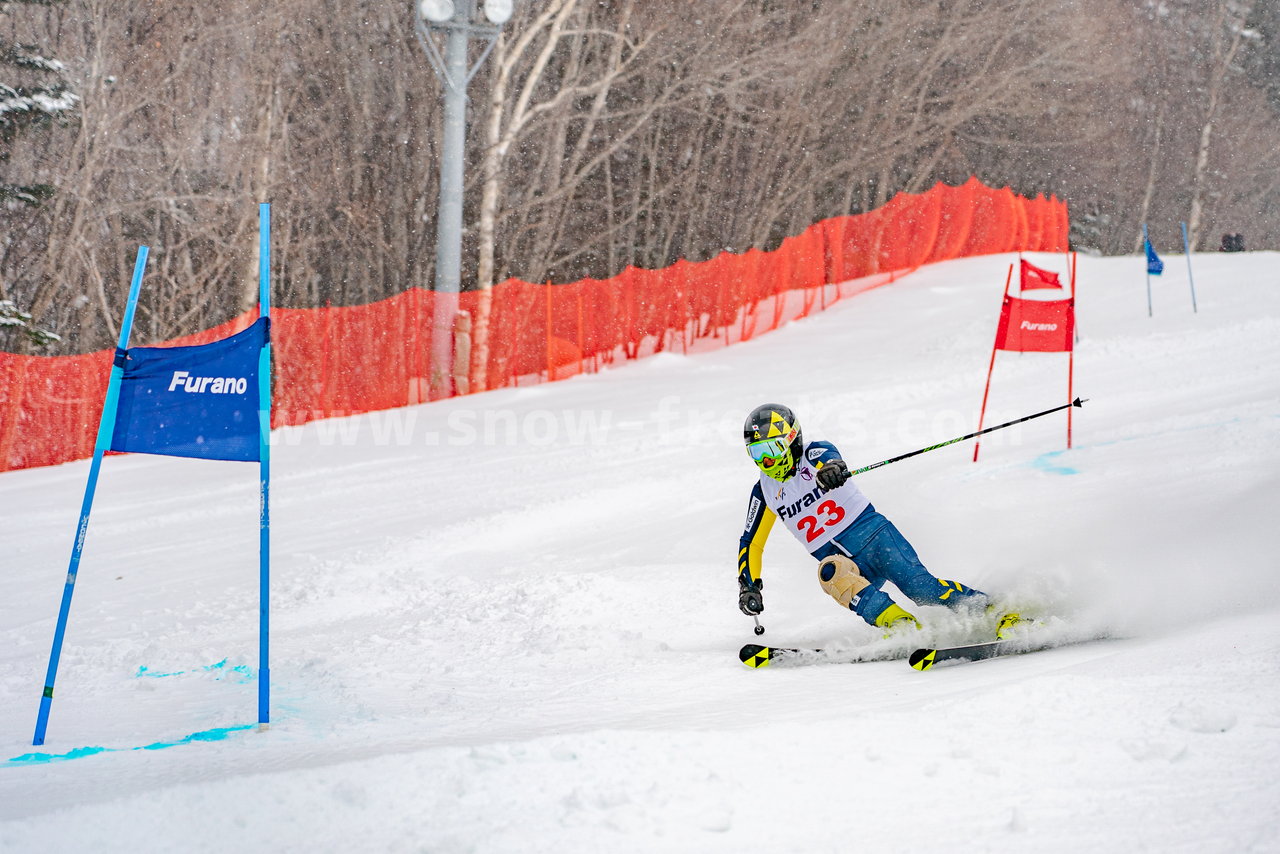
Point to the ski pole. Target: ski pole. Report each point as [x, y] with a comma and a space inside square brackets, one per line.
[759, 628]
[1077, 403]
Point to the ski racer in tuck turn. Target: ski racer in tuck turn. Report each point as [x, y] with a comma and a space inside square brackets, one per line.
[809, 487]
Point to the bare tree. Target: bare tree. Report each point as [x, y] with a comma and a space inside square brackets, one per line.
[1228, 34]
[635, 132]
[502, 128]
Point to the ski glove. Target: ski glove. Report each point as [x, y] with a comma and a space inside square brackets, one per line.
[833, 474]
[750, 597]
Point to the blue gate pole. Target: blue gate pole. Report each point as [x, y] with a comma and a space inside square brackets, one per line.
[1146, 255]
[264, 463]
[1186, 247]
[106, 426]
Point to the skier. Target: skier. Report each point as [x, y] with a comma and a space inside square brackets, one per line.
[808, 486]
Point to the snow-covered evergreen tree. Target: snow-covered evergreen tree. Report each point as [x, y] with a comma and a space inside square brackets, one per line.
[13, 318]
[32, 92]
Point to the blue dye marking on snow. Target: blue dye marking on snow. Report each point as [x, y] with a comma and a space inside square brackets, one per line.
[242, 671]
[1046, 463]
[217, 734]
[34, 758]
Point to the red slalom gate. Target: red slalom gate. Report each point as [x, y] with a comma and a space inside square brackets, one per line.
[1034, 326]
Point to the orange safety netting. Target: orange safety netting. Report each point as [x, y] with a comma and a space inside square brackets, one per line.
[340, 361]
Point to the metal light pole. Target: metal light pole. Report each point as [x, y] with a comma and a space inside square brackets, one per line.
[458, 21]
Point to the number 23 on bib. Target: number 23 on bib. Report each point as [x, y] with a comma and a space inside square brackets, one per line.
[813, 516]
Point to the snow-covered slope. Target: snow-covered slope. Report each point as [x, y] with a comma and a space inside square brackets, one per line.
[508, 622]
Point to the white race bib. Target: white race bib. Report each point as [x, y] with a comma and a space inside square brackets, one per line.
[813, 517]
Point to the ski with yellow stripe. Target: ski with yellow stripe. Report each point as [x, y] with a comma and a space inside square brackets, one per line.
[756, 656]
[925, 659]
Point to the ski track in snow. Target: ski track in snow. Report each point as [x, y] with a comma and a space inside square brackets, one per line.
[519, 634]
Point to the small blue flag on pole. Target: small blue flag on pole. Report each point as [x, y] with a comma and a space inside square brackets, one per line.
[1154, 265]
[197, 401]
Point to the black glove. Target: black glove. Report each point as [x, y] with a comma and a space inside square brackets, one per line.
[750, 597]
[833, 474]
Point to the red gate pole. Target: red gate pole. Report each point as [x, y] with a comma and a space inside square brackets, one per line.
[1071, 354]
[1071, 359]
[1075, 327]
[991, 367]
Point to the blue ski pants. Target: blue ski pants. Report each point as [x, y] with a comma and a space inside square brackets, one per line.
[883, 554]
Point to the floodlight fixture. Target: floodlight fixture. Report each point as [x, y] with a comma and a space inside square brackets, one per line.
[436, 11]
[498, 11]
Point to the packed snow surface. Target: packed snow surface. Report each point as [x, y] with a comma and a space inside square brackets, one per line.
[508, 622]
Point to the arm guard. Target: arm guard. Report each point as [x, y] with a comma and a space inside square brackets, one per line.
[751, 547]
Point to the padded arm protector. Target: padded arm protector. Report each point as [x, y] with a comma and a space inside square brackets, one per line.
[760, 521]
